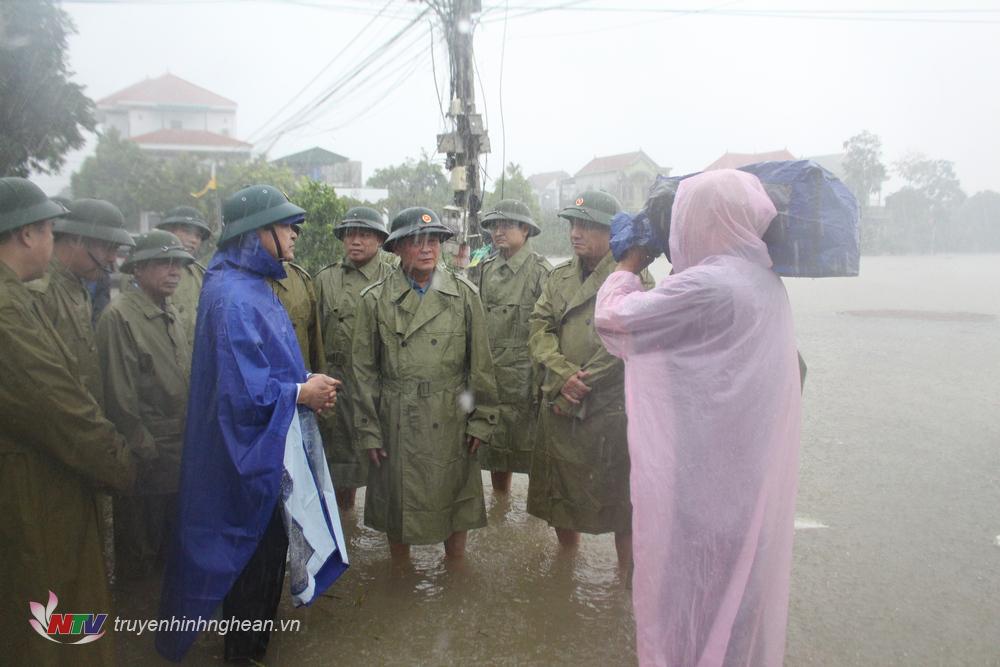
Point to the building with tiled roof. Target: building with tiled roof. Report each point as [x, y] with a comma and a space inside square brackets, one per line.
[169, 115]
[628, 176]
[737, 160]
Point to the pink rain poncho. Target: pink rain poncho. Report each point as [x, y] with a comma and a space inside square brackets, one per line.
[712, 395]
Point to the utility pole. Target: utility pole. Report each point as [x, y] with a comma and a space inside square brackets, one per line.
[468, 138]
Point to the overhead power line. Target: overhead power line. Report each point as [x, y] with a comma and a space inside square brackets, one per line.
[321, 72]
[308, 111]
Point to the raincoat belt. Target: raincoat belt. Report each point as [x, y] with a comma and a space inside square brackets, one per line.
[419, 387]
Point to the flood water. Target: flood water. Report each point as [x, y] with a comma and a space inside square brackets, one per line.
[896, 549]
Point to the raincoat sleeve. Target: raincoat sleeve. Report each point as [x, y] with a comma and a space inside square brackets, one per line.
[59, 416]
[366, 350]
[249, 396]
[119, 357]
[630, 320]
[604, 365]
[543, 341]
[316, 354]
[482, 380]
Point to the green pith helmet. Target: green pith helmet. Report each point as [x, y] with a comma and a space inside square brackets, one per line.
[593, 206]
[255, 207]
[156, 244]
[186, 215]
[511, 209]
[95, 219]
[361, 217]
[22, 203]
[413, 221]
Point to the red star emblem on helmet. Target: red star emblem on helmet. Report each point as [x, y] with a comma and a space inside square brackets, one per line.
[425, 217]
[579, 201]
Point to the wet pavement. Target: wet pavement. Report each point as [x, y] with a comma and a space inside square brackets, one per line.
[896, 549]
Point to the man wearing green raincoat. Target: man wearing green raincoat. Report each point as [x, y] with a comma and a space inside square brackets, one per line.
[86, 245]
[580, 470]
[187, 224]
[339, 286]
[425, 393]
[56, 448]
[510, 283]
[146, 357]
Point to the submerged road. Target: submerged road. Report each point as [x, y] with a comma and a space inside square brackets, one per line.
[897, 545]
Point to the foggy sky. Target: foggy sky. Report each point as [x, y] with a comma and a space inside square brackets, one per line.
[577, 84]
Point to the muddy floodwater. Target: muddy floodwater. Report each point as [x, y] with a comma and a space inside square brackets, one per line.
[897, 545]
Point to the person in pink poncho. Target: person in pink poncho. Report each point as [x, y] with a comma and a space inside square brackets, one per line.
[713, 402]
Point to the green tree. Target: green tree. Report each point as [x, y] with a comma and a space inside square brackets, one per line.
[42, 113]
[863, 168]
[413, 183]
[120, 172]
[938, 187]
[233, 176]
[317, 246]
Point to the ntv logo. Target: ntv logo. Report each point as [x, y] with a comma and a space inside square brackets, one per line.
[47, 623]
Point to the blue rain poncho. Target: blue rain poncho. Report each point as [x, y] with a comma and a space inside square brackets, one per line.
[246, 446]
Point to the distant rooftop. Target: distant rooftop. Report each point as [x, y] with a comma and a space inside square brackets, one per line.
[612, 163]
[737, 160]
[166, 90]
[311, 157]
[176, 138]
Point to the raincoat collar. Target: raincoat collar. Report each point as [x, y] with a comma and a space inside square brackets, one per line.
[63, 271]
[592, 283]
[442, 281]
[7, 275]
[148, 307]
[516, 262]
[368, 270]
[247, 254]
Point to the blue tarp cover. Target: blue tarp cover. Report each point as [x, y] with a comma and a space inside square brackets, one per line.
[815, 233]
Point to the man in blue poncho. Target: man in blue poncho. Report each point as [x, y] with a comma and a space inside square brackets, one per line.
[254, 482]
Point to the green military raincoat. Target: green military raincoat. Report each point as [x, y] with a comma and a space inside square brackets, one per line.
[66, 302]
[580, 469]
[421, 364]
[509, 289]
[146, 358]
[185, 298]
[56, 448]
[298, 296]
[339, 289]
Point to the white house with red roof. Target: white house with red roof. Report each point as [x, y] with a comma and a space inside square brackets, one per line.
[168, 115]
[627, 176]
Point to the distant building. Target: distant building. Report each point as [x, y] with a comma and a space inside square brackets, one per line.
[737, 160]
[627, 176]
[547, 187]
[168, 115]
[324, 166]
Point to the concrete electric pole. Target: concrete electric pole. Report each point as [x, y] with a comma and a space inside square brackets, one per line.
[468, 138]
